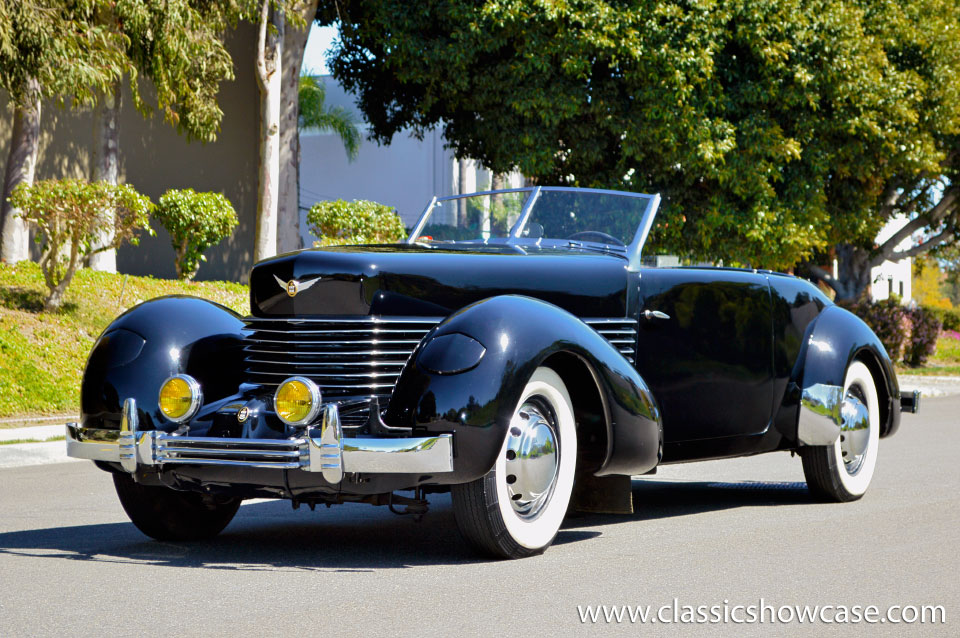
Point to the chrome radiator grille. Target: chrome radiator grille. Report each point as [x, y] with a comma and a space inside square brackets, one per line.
[359, 357]
[349, 358]
[622, 333]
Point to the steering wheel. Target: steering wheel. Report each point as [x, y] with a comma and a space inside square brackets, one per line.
[597, 236]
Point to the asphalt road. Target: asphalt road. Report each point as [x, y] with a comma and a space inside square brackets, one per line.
[736, 531]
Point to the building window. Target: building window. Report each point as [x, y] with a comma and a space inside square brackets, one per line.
[901, 289]
[890, 286]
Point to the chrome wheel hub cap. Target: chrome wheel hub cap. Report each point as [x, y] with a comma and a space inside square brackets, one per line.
[855, 430]
[533, 458]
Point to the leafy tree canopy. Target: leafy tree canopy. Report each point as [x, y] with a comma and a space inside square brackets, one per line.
[772, 129]
[178, 45]
[60, 45]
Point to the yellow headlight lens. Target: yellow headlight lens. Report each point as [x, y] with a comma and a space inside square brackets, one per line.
[294, 401]
[176, 398]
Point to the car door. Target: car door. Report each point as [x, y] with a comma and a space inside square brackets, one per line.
[705, 347]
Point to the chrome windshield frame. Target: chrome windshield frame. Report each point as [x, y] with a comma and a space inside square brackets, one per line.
[633, 251]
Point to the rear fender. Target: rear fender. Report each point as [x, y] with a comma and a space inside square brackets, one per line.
[518, 335]
[838, 338]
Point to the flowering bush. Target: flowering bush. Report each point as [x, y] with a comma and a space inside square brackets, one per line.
[922, 342]
[908, 334]
[889, 320]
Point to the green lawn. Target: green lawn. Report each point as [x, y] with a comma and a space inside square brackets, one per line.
[42, 355]
[946, 360]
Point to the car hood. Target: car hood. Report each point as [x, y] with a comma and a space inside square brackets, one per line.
[415, 280]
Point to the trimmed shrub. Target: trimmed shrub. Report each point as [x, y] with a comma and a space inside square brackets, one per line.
[922, 343]
[195, 221]
[68, 215]
[339, 223]
[888, 319]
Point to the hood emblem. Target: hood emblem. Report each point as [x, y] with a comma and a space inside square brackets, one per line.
[243, 413]
[293, 286]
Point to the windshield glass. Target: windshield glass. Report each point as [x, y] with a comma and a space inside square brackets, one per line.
[544, 216]
[600, 218]
[473, 217]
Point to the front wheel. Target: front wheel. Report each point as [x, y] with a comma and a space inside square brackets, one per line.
[842, 471]
[516, 509]
[169, 515]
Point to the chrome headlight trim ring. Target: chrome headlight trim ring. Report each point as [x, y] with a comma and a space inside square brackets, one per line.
[196, 397]
[315, 397]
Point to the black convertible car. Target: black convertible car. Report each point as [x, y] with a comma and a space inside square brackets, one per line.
[516, 351]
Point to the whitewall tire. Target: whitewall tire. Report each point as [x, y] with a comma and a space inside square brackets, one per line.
[517, 508]
[843, 471]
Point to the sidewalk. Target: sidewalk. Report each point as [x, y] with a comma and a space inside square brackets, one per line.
[20, 454]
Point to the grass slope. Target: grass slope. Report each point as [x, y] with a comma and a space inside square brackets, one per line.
[42, 355]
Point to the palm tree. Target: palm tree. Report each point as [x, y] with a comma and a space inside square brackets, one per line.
[315, 114]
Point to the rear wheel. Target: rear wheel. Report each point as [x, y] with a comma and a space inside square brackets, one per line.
[169, 515]
[842, 471]
[516, 509]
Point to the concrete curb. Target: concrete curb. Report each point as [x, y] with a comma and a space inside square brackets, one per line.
[19, 421]
[929, 386]
[20, 454]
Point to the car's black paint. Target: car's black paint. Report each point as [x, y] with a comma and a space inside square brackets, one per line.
[434, 282]
[153, 341]
[710, 364]
[520, 334]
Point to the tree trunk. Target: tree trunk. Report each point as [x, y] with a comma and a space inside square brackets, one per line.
[462, 168]
[269, 67]
[853, 272]
[106, 168]
[58, 290]
[21, 168]
[294, 44]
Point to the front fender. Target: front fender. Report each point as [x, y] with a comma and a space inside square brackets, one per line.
[837, 338]
[155, 340]
[519, 334]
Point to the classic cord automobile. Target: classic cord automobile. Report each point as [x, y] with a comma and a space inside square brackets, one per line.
[515, 351]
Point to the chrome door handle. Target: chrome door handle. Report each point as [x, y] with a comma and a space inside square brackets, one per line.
[650, 315]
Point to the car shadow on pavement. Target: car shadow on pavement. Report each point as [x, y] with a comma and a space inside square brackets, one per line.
[654, 499]
[270, 536]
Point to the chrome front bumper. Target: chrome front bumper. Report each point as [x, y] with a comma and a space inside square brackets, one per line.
[321, 449]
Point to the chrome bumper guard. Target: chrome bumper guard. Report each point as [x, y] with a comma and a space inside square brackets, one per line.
[820, 417]
[321, 449]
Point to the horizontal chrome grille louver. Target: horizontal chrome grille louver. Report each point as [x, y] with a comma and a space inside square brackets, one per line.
[622, 333]
[359, 357]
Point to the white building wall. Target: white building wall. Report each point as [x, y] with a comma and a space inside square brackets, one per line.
[893, 277]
